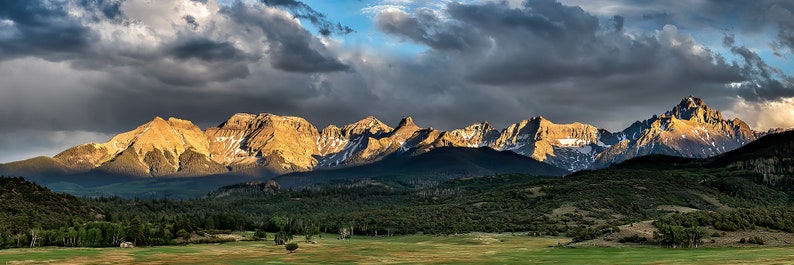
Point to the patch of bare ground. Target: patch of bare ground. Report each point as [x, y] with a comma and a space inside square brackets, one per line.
[641, 229]
[564, 209]
[570, 215]
[535, 191]
[675, 209]
[714, 202]
[204, 237]
[770, 237]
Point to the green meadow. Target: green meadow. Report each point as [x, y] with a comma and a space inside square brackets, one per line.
[474, 248]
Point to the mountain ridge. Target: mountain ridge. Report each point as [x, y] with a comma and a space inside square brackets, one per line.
[270, 145]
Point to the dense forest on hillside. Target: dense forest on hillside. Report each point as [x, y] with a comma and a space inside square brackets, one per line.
[28, 210]
[583, 205]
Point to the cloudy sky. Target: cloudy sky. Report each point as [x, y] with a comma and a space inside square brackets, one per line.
[76, 71]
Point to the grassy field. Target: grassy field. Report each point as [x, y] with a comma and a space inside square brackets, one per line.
[463, 249]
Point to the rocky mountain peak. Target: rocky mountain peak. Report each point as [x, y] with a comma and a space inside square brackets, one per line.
[692, 101]
[157, 148]
[174, 135]
[485, 126]
[331, 130]
[270, 117]
[368, 125]
[695, 109]
[690, 129]
[538, 119]
[238, 121]
[157, 122]
[475, 135]
[407, 122]
[331, 140]
[180, 123]
[405, 129]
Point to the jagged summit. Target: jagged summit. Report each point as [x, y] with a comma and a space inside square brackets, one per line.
[238, 120]
[405, 129]
[370, 125]
[479, 126]
[407, 121]
[476, 135]
[694, 109]
[690, 129]
[569, 146]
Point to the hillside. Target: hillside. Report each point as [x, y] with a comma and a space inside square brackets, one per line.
[777, 145]
[584, 204]
[768, 161]
[436, 165]
[38, 166]
[27, 206]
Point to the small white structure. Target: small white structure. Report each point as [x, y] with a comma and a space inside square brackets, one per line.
[126, 245]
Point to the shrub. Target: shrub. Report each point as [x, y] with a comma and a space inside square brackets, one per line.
[259, 235]
[633, 239]
[210, 240]
[291, 247]
[755, 240]
[217, 231]
[183, 234]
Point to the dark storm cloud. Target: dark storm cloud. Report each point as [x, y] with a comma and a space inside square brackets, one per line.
[733, 15]
[61, 78]
[569, 65]
[304, 11]
[46, 30]
[783, 15]
[206, 49]
[770, 83]
[753, 16]
[423, 28]
[194, 70]
[38, 28]
[618, 20]
[103, 9]
[191, 21]
[759, 81]
[292, 48]
[545, 41]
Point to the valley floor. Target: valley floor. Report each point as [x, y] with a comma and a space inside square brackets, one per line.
[474, 248]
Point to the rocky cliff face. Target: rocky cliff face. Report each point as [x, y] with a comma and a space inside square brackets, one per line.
[157, 148]
[278, 143]
[569, 146]
[273, 144]
[475, 135]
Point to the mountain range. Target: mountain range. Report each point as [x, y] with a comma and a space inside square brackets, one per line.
[270, 145]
